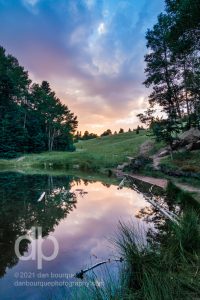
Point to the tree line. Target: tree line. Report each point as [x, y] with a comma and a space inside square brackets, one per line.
[173, 69]
[88, 136]
[32, 118]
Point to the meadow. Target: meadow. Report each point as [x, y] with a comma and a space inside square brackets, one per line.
[91, 155]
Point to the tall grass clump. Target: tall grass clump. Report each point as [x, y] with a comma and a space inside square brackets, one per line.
[157, 271]
[143, 272]
[169, 270]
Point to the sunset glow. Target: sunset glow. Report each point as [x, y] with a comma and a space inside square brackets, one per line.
[90, 51]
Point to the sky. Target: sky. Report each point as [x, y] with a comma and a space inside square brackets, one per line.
[90, 51]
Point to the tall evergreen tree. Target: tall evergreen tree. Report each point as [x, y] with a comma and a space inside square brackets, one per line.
[32, 118]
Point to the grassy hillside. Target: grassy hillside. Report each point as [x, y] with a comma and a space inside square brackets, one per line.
[104, 152]
[114, 149]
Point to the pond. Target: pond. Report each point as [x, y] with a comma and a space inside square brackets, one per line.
[81, 215]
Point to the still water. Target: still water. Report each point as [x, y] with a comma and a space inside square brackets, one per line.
[81, 215]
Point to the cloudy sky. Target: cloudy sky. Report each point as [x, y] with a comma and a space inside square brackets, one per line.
[91, 52]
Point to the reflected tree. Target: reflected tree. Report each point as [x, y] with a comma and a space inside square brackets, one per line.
[158, 224]
[20, 209]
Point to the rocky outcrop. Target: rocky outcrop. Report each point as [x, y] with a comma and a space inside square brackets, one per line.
[188, 140]
[139, 162]
[135, 163]
[190, 136]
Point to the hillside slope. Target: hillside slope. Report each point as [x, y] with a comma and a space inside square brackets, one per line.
[104, 152]
[120, 145]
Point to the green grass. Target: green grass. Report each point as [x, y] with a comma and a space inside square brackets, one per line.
[166, 270]
[93, 155]
[101, 154]
[185, 161]
[169, 270]
[165, 267]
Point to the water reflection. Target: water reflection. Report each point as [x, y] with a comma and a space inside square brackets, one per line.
[20, 210]
[80, 214]
[152, 215]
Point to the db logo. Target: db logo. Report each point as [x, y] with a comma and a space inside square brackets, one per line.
[36, 250]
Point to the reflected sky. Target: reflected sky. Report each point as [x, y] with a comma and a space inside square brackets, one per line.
[83, 235]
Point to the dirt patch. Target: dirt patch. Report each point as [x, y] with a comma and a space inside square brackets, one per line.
[151, 180]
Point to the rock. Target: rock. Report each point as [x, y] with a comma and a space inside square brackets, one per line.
[193, 146]
[139, 162]
[123, 166]
[176, 144]
[190, 136]
[146, 147]
[189, 147]
[163, 152]
[190, 139]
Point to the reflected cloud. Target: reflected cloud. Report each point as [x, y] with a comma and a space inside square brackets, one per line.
[82, 215]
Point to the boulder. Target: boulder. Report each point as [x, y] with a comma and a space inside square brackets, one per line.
[146, 147]
[190, 136]
[193, 146]
[176, 144]
[189, 147]
[140, 162]
[188, 140]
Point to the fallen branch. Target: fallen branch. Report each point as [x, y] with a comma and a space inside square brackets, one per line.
[163, 211]
[172, 217]
[82, 272]
[121, 185]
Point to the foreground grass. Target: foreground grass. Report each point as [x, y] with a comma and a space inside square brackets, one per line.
[165, 268]
[169, 270]
[93, 155]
